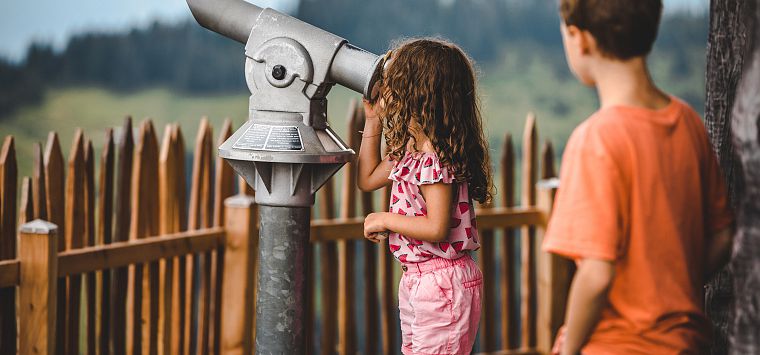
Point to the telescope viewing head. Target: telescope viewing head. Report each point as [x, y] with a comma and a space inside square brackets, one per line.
[286, 150]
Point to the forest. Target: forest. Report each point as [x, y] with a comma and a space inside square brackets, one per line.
[185, 58]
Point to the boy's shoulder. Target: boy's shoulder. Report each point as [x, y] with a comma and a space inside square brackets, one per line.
[619, 125]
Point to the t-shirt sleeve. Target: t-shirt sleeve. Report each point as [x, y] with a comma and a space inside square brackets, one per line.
[718, 214]
[588, 216]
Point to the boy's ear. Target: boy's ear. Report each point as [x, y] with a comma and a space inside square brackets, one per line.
[583, 39]
[588, 43]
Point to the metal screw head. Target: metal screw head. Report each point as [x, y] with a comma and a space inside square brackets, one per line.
[278, 72]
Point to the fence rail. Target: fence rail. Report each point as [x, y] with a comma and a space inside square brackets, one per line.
[138, 261]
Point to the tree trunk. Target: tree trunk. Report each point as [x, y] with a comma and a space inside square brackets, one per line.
[746, 259]
[727, 46]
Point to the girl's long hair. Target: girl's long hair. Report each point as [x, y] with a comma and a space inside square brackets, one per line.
[432, 82]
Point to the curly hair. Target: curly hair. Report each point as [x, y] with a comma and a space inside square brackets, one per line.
[430, 85]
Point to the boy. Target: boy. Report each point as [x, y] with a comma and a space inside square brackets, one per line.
[642, 206]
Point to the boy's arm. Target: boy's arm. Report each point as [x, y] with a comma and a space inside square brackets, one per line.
[718, 251]
[373, 172]
[431, 228]
[588, 296]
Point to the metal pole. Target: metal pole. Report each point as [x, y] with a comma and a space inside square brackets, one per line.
[280, 304]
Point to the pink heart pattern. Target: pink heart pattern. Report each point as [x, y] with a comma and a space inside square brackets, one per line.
[408, 174]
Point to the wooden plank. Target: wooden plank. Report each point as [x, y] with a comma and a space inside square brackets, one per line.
[8, 185]
[324, 230]
[144, 224]
[507, 282]
[199, 217]
[388, 308]
[223, 188]
[37, 288]
[499, 217]
[178, 221]
[238, 282]
[55, 183]
[122, 211]
[38, 184]
[167, 176]
[89, 236]
[26, 210]
[74, 234]
[206, 210]
[8, 182]
[9, 275]
[328, 268]
[547, 161]
[555, 275]
[139, 251]
[105, 236]
[371, 292]
[486, 263]
[371, 296]
[346, 248]
[528, 246]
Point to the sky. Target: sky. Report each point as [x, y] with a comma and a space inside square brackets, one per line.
[55, 21]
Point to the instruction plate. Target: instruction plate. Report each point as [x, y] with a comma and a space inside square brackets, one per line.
[270, 138]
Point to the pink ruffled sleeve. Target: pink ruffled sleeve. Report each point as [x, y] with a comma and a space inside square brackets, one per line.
[421, 168]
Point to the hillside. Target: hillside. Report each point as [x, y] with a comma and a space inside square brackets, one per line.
[523, 80]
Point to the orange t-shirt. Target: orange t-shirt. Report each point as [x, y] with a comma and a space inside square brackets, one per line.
[642, 188]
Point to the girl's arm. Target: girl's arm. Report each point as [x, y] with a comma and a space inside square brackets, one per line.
[373, 172]
[431, 228]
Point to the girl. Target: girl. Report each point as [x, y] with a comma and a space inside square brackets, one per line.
[437, 163]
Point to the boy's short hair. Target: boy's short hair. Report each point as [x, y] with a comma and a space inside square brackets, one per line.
[623, 29]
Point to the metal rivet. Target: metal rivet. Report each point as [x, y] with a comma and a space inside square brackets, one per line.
[278, 72]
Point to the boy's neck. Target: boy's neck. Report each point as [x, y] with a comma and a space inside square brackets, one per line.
[627, 83]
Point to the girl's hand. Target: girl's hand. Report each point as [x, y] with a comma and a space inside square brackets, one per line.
[374, 227]
[370, 110]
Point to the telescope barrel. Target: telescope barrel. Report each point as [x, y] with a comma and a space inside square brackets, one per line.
[230, 18]
[354, 68]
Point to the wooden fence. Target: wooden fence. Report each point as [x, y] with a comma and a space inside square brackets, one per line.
[129, 264]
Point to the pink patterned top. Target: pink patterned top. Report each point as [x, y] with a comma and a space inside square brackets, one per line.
[408, 174]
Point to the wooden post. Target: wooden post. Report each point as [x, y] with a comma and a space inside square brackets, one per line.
[528, 244]
[224, 186]
[509, 319]
[37, 289]
[74, 234]
[89, 234]
[371, 299]
[55, 208]
[346, 326]
[104, 236]
[122, 208]
[238, 281]
[554, 276]
[8, 180]
[388, 307]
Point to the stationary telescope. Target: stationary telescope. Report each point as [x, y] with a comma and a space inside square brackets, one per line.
[286, 150]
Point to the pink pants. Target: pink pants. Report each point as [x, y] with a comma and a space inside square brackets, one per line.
[439, 306]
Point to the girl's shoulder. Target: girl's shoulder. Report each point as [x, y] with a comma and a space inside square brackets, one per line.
[420, 168]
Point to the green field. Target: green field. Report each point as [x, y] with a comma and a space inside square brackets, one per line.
[523, 81]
